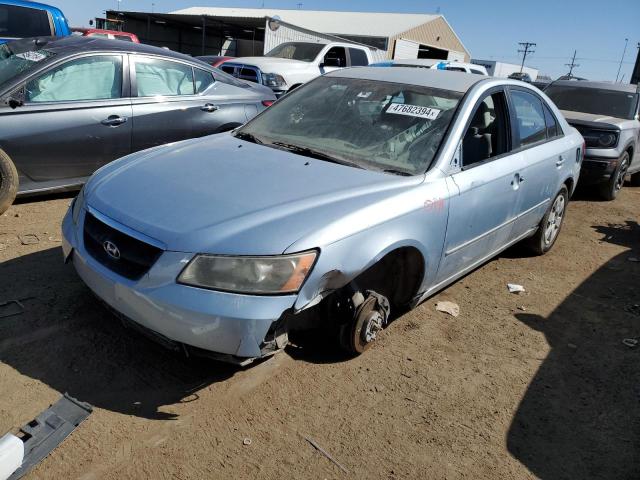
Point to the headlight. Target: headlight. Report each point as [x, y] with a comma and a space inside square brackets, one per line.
[273, 80]
[600, 138]
[251, 275]
[607, 139]
[76, 206]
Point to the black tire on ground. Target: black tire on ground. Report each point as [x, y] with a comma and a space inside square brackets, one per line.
[551, 224]
[635, 180]
[8, 182]
[610, 189]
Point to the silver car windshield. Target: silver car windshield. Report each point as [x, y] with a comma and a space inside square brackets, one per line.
[13, 64]
[597, 101]
[369, 124]
[306, 52]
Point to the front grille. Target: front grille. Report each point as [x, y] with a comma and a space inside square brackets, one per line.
[135, 257]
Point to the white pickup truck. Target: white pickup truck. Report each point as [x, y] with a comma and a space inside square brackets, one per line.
[291, 64]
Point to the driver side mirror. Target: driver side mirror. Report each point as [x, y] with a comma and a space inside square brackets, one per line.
[16, 98]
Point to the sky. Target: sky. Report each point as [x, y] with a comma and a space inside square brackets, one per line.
[490, 29]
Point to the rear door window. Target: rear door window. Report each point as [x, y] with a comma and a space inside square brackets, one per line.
[358, 57]
[97, 77]
[336, 57]
[155, 76]
[530, 121]
[22, 22]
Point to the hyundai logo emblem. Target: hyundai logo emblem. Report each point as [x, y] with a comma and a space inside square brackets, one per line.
[112, 250]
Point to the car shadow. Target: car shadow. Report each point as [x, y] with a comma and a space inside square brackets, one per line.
[66, 339]
[579, 417]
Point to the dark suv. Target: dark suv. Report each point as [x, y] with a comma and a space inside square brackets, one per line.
[606, 114]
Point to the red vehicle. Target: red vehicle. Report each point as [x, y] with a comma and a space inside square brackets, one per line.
[214, 60]
[111, 34]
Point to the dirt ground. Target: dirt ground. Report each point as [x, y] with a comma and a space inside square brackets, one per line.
[518, 386]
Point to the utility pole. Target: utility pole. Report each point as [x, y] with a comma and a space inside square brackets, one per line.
[573, 63]
[526, 50]
[626, 42]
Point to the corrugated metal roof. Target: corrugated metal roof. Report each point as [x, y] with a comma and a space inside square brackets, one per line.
[345, 23]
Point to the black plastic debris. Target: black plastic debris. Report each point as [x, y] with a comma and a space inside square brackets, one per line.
[49, 429]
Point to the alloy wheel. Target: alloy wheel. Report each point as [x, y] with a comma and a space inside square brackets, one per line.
[554, 221]
[622, 173]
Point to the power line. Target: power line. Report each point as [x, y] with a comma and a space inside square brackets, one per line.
[526, 49]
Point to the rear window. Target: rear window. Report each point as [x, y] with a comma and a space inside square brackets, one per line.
[22, 22]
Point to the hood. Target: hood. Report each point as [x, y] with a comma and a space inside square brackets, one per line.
[223, 195]
[264, 63]
[591, 120]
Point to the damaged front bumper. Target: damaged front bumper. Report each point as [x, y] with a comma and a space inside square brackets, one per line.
[226, 326]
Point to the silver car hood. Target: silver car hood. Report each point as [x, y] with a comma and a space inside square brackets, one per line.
[222, 195]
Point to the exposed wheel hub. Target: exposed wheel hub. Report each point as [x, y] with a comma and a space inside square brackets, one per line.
[370, 317]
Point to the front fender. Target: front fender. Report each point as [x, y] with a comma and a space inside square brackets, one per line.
[341, 262]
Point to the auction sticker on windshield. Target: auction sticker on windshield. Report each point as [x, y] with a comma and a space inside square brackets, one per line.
[414, 111]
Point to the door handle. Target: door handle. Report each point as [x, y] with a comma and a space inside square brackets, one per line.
[560, 161]
[209, 107]
[517, 180]
[114, 121]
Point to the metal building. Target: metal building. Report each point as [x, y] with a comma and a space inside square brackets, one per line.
[246, 31]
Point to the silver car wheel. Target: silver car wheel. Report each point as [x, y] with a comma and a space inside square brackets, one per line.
[554, 221]
[621, 175]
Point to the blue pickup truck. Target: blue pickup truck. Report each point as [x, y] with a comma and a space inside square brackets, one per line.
[21, 19]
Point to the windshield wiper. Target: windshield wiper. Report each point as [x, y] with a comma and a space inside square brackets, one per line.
[403, 173]
[249, 137]
[310, 152]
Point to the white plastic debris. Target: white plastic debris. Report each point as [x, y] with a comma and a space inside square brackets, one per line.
[630, 342]
[515, 288]
[451, 308]
[247, 441]
[11, 455]
[634, 259]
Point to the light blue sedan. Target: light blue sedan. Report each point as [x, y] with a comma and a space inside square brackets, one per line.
[357, 195]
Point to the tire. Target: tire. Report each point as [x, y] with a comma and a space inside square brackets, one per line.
[635, 180]
[610, 189]
[8, 182]
[550, 225]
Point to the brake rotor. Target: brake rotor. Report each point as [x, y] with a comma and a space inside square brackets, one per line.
[370, 319]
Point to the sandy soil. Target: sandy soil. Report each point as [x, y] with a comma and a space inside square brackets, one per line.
[517, 386]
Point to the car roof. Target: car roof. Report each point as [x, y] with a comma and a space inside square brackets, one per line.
[28, 4]
[441, 79]
[619, 87]
[79, 44]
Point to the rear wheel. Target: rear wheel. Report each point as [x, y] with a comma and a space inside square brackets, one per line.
[8, 182]
[551, 223]
[611, 188]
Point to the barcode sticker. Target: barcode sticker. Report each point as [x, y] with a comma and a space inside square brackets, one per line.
[414, 111]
